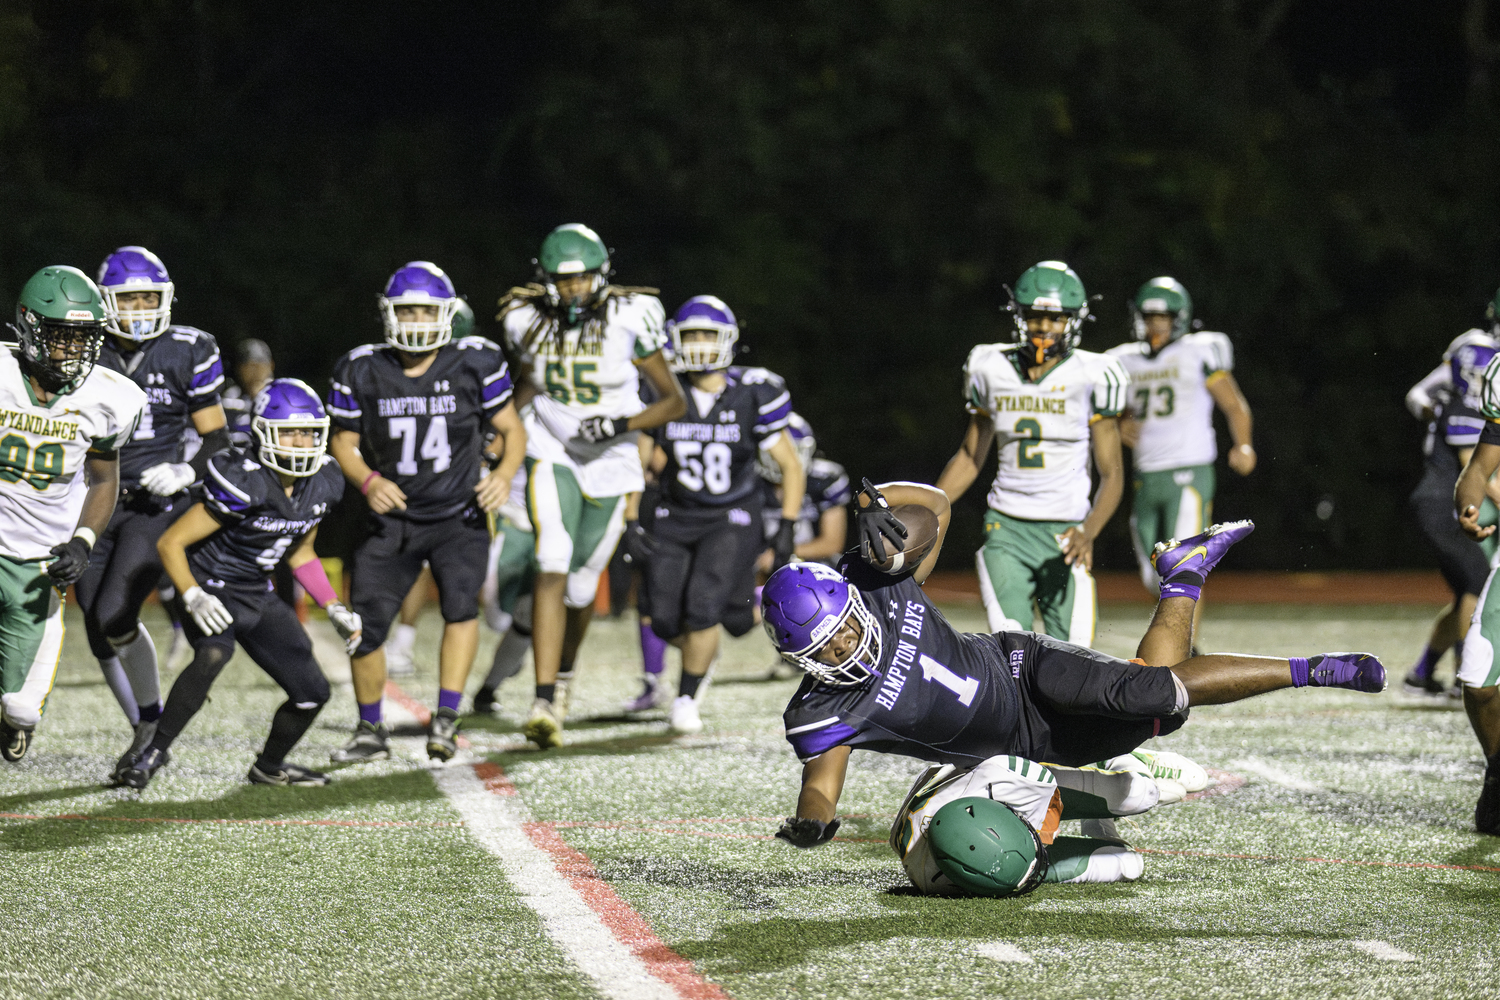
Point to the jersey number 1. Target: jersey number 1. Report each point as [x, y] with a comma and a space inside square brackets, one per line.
[434, 444]
[965, 687]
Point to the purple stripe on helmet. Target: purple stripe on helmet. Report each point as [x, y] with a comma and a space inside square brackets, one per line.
[288, 399]
[810, 744]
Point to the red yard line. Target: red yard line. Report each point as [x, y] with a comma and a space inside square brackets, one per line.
[233, 822]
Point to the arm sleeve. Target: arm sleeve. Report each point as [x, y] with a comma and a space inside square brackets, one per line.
[1419, 396]
[343, 406]
[208, 373]
[1109, 388]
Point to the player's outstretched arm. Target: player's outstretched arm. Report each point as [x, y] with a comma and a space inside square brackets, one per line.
[510, 439]
[898, 494]
[822, 783]
[1469, 493]
[1228, 397]
[963, 468]
[670, 402]
[1078, 543]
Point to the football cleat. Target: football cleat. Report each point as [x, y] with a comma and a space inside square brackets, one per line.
[442, 735]
[139, 774]
[685, 718]
[1159, 765]
[485, 703]
[543, 727]
[13, 741]
[398, 662]
[562, 695]
[649, 698]
[287, 774]
[1487, 811]
[370, 742]
[144, 731]
[1201, 552]
[1355, 671]
[1417, 686]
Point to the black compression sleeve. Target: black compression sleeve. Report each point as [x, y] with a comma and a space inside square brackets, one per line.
[213, 443]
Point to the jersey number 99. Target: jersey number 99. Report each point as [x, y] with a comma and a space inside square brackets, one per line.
[18, 461]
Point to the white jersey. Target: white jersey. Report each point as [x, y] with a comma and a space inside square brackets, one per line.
[1032, 792]
[1042, 428]
[588, 374]
[1169, 396]
[42, 452]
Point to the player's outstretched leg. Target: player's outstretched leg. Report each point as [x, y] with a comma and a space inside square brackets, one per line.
[1183, 567]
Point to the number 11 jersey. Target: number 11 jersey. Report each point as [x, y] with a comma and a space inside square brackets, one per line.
[1042, 428]
[423, 433]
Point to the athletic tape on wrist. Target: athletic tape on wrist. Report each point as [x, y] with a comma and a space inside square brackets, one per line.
[88, 536]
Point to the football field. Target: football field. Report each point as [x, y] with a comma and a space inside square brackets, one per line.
[1334, 857]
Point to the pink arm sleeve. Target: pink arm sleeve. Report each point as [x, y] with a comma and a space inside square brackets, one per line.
[315, 581]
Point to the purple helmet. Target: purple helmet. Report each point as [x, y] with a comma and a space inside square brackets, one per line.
[135, 269]
[703, 312]
[285, 405]
[802, 605]
[419, 283]
[801, 433]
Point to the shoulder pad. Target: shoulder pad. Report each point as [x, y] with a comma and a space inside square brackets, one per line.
[363, 351]
[187, 334]
[755, 376]
[476, 343]
[230, 482]
[1475, 336]
[1128, 348]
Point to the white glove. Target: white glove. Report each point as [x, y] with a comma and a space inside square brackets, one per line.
[347, 623]
[207, 610]
[168, 478]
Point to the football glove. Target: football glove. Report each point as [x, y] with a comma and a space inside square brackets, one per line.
[597, 430]
[876, 525]
[347, 623]
[784, 544]
[168, 478]
[208, 611]
[69, 560]
[638, 544]
[806, 833]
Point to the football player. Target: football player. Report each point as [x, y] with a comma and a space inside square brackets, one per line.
[581, 344]
[64, 418]
[707, 531]
[506, 595]
[1478, 671]
[1049, 407]
[409, 419]
[822, 525]
[886, 672]
[178, 368]
[257, 505]
[1450, 406]
[1177, 377]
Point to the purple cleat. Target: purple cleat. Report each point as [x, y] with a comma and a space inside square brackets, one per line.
[1355, 671]
[1200, 553]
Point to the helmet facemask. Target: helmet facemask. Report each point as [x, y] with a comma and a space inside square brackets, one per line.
[859, 665]
[578, 304]
[1037, 346]
[418, 336]
[278, 453]
[134, 324]
[59, 355]
[700, 354]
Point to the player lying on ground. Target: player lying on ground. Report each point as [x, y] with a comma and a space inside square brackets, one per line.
[886, 671]
[59, 475]
[256, 505]
[1007, 809]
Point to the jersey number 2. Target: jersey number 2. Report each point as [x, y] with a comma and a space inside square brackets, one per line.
[712, 471]
[434, 444]
[1029, 454]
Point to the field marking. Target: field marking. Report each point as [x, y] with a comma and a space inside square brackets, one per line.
[1322, 861]
[1003, 951]
[234, 822]
[584, 916]
[1276, 775]
[1385, 951]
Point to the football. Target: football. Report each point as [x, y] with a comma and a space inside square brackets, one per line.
[921, 536]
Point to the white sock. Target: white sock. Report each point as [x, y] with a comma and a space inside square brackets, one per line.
[508, 656]
[404, 639]
[138, 657]
[114, 676]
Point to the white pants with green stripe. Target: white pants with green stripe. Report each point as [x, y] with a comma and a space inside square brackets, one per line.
[575, 534]
[1478, 669]
[31, 636]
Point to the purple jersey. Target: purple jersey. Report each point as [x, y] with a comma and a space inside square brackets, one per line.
[181, 373]
[711, 456]
[260, 522]
[424, 433]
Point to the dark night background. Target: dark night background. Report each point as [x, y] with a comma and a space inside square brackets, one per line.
[856, 178]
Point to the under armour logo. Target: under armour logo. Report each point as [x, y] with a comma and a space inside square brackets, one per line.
[441, 385]
[156, 378]
[250, 465]
[726, 417]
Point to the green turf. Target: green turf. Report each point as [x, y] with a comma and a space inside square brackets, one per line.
[679, 828]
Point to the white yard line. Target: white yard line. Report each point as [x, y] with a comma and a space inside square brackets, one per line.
[1003, 951]
[1384, 951]
[1275, 775]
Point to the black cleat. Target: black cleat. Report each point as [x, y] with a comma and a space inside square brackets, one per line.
[368, 743]
[13, 741]
[484, 701]
[1487, 811]
[139, 774]
[144, 731]
[442, 735]
[1417, 686]
[287, 774]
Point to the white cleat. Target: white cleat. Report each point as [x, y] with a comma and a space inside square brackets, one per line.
[685, 718]
[1159, 764]
[1171, 791]
[398, 662]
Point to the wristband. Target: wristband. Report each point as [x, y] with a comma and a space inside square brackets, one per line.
[88, 536]
[364, 487]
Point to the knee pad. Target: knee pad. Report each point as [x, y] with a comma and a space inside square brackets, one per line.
[116, 642]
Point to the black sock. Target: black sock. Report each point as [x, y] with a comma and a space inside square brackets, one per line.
[287, 727]
[688, 686]
[189, 692]
[546, 692]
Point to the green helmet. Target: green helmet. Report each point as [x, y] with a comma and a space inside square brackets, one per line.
[1492, 313]
[1048, 287]
[463, 319]
[60, 317]
[985, 848]
[1162, 295]
[568, 250]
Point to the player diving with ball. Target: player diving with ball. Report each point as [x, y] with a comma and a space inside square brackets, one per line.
[887, 672]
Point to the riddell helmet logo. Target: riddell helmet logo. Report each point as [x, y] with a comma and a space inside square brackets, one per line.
[82, 315]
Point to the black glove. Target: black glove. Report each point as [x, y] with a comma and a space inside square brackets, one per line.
[597, 430]
[69, 560]
[806, 833]
[783, 544]
[638, 544]
[876, 526]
